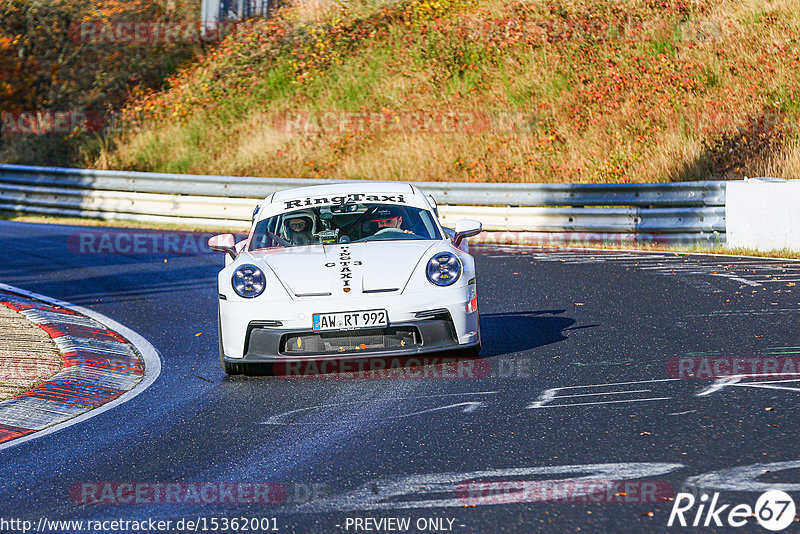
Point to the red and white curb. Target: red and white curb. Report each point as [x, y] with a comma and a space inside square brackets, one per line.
[104, 365]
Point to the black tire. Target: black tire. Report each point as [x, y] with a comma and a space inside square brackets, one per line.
[232, 368]
[471, 352]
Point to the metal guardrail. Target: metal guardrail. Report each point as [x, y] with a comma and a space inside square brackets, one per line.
[683, 212]
[682, 194]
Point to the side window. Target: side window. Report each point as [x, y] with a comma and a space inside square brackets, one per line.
[427, 221]
[261, 237]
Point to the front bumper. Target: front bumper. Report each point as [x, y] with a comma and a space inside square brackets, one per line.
[275, 318]
[265, 344]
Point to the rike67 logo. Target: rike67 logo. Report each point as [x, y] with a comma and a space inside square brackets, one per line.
[774, 510]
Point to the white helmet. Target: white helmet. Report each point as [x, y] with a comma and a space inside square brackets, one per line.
[307, 215]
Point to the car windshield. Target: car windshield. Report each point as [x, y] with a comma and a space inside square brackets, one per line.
[345, 223]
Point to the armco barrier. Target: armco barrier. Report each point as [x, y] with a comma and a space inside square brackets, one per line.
[686, 212]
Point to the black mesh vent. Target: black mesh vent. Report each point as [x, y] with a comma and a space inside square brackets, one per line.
[351, 342]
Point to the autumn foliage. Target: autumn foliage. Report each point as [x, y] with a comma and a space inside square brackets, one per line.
[565, 90]
[46, 66]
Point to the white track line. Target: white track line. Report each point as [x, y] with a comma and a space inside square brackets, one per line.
[152, 364]
[602, 402]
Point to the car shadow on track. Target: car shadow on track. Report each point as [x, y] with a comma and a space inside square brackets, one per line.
[501, 333]
[504, 333]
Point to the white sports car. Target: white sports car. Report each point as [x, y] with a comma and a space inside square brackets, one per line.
[346, 270]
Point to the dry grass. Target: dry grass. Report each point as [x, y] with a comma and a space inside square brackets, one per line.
[785, 164]
[315, 11]
[675, 96]
[27, 354]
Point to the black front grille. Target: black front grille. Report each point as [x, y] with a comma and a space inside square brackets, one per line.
[351, 342]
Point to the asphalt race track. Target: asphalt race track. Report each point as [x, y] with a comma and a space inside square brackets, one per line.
[590, 355]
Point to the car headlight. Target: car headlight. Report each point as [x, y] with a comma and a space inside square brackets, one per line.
[248, 281]
[443, 269]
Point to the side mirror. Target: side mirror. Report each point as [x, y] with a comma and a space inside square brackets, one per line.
[223, 243]
[466, 228]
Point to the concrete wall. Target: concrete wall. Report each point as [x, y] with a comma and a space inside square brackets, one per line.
[763, 215]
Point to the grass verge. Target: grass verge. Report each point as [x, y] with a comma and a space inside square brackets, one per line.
[485, 91]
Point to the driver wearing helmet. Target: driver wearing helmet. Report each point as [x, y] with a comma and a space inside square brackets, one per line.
[299, 229]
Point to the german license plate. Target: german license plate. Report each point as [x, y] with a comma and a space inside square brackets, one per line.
[348, 320]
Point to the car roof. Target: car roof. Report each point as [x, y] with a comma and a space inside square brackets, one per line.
[343, 188]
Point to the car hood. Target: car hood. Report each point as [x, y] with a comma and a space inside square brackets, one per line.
[370, 267]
